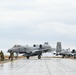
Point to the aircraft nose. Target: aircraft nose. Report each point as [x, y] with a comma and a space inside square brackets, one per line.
[9, 50]
[14, 50]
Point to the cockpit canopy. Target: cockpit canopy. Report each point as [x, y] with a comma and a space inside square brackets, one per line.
[16, 45]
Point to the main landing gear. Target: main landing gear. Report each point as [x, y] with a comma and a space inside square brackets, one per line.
[27, 57]
[39, 56]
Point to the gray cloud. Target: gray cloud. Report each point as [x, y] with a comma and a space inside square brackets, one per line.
[37, 21]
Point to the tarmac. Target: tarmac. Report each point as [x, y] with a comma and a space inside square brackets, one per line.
[43, 66]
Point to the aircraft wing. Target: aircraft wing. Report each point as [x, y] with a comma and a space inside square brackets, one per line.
[41, 50]
[45, 50]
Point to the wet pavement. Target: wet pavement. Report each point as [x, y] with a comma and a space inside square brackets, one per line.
[44, 66]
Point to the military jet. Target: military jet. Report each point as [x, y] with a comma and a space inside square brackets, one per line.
[68, 53]
[64, 52]
[28, 51]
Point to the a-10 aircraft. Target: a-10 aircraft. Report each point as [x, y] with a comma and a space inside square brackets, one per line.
[67, 53]
[63, 52]
[28, 51]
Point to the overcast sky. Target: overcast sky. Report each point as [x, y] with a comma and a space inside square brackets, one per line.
[37, 21]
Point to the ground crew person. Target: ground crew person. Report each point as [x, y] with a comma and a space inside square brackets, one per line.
[11, 55]
[2, 56]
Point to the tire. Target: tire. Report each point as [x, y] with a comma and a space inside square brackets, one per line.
[39, 57]
[27, 57]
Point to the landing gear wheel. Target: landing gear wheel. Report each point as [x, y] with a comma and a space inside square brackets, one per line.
[63, 56]
[74, 56]
[27, 57]
[39, 57]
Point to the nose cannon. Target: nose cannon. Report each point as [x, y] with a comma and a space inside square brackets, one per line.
[9, 50]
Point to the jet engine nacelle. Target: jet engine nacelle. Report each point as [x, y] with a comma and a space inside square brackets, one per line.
[73, 51]
[44, 46]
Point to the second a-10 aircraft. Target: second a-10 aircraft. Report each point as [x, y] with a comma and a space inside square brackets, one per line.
[67, 53]
[28, 51]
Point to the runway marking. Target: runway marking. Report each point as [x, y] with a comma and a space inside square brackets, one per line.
[65, 73]
[48, 68]
[27, 64]
[44, 66]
